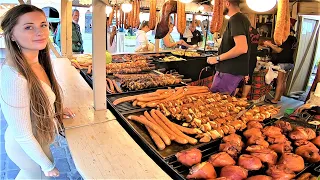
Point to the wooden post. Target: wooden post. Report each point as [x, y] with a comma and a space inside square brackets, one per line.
[66, 28]
[99, 54]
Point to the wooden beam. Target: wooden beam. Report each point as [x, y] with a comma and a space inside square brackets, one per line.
[66, 28]
[54, 50]
[99, 54]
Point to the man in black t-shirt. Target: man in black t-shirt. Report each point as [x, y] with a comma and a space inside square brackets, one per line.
[196, 39]
[232, 64]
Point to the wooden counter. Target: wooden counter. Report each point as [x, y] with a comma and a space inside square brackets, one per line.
[100, 147]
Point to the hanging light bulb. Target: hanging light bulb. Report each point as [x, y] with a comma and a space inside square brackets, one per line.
[186, 1]
[126, 7]
[261, 5]
[201, 8]
[108, 10]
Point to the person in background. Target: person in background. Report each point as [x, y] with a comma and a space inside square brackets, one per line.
[142, 42]
[232, 64]
[283, 56]
[111, 43]
[169, 43]
[31, 99]
[192, 36]
[77, 42]
[254, 42]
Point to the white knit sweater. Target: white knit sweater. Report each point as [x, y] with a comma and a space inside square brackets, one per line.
[15, 104]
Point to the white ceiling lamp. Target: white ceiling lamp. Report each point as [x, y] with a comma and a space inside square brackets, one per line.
[201, 8]
[126, 7]
[108, 10]
[261, 5]
[186, 1]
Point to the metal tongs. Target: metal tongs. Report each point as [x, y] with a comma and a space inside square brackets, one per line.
[244, 111]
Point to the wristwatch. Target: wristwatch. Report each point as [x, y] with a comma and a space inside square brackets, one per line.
[218, 58]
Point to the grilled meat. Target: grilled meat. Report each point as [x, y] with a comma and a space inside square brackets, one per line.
[284, 126]
[284, 147]
[258, 140]
[221, 159]
[203, 170]
[301, 133]
[266, 155]
[254, 124]
[277, 138]
[252, 132]
[316, 141]
[234, 172]
[271, 131]
[189, 157]
[280, 172]
[309, 152]
[292, 161]
[260, 177]
[249, 162]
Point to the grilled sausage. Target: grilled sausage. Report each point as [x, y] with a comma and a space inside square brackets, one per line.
[152, 126]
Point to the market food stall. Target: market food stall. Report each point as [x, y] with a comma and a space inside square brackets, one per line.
[171, 121]
[155, 121]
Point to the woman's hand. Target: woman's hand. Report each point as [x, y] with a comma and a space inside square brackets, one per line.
[267, 43]
[53, 173]
[67, 113]
[179, 42]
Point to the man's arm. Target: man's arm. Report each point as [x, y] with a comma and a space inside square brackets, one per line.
[273, 47]
[241, 47]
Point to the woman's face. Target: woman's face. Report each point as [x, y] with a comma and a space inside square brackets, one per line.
[31, 32]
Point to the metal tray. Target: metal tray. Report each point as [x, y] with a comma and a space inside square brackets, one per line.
[89, 80]
[126, 107]
[213, 147]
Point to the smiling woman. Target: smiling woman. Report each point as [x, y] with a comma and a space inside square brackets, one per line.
[31, 98]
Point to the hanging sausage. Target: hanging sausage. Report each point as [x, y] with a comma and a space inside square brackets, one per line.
[181, 17]
[153, 16]
[137, 18]
[111, 16]
[217, 18]
[117, 18]
[282, 29]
